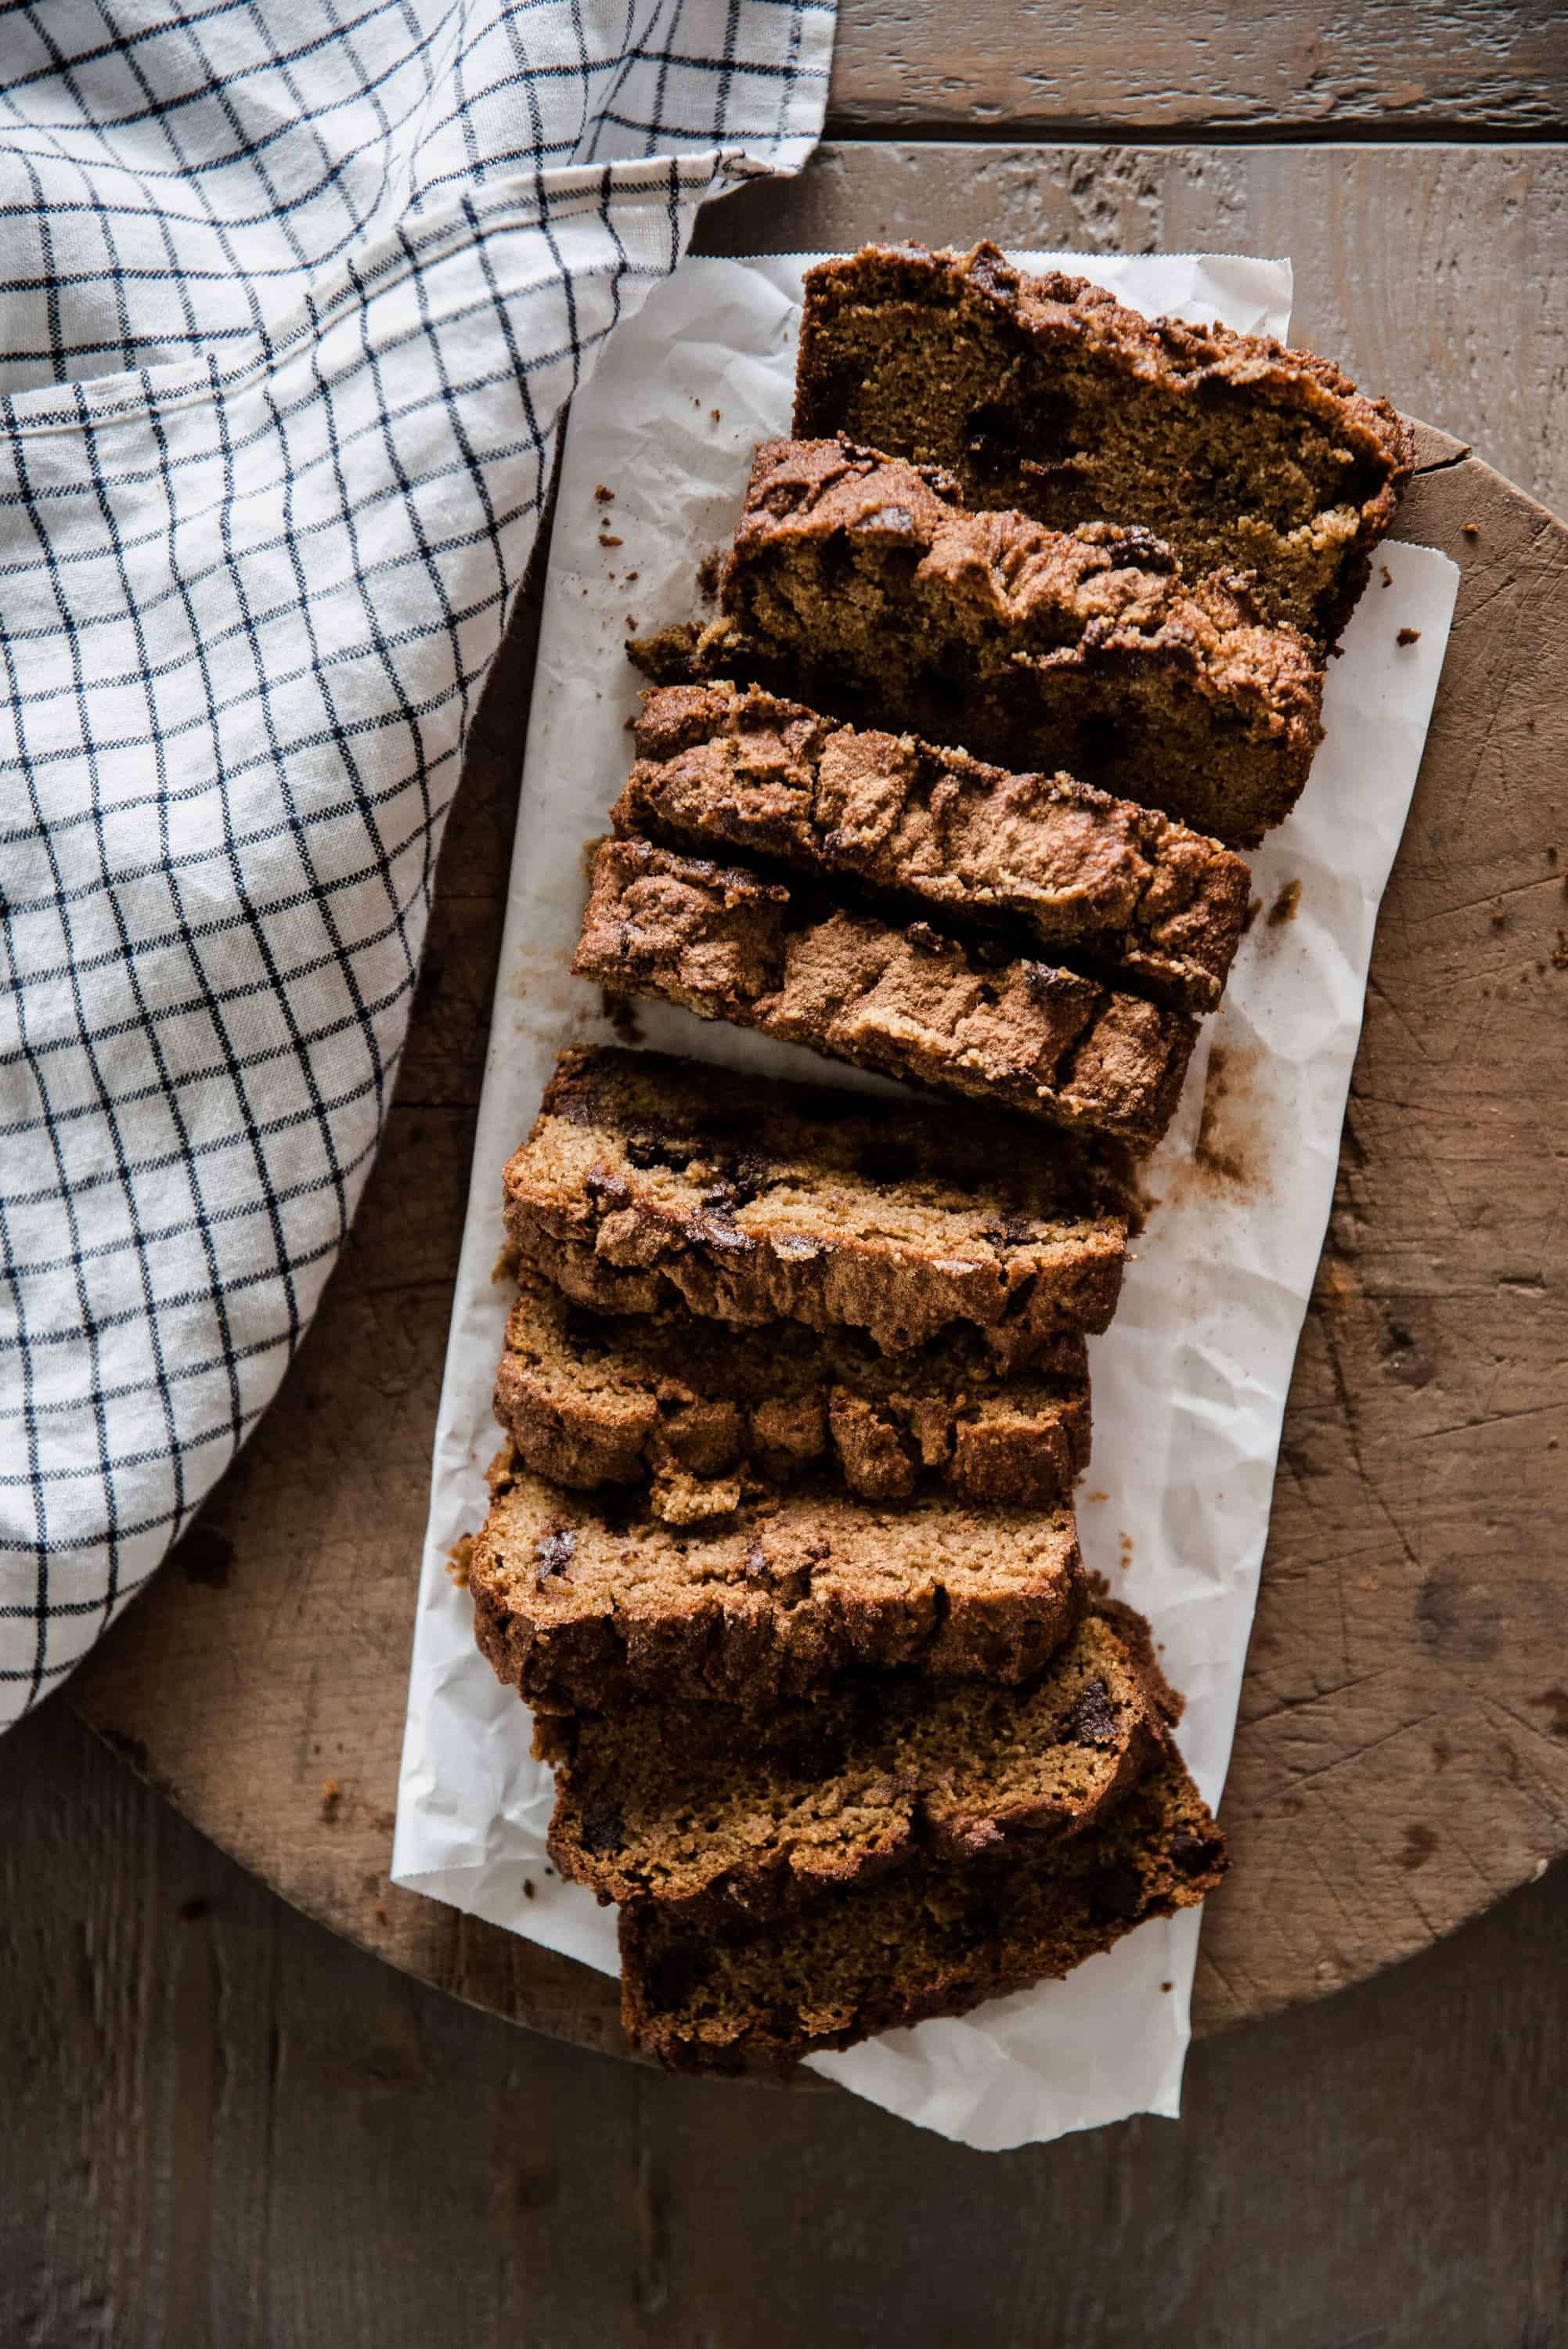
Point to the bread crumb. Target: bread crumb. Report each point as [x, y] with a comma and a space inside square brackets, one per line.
[1167, 1985]
[1472, 530]
[459, 1558]
[528, 1887]
[1284, 908]
[609, 539]
[505, 1266]
[1408, 637]
[605, 497]
[331, 1797]
[1388, 576]
[1097, 1497]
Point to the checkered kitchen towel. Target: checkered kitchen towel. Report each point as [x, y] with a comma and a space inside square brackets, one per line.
[292, 292]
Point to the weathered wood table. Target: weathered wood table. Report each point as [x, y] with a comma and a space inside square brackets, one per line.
[1403, 1752]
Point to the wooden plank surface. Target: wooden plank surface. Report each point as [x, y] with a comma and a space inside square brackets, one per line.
[1403, 1757]
[226, 2129]
[1121, 67]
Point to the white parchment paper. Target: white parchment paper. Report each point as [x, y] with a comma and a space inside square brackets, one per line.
[1190, 1381]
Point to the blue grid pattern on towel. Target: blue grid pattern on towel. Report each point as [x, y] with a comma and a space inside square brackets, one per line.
[293, 296]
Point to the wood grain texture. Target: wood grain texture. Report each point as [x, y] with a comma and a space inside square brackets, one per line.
[226, 2129]
[1404, 1755]
[1120, 66]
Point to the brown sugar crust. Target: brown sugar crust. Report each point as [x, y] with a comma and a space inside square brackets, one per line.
[583, 1600]
[930, 1939]
[1106, 884]
[729, 1814]
[699, 1408]
[964, 1016]
[1044, 395]
[856, 582]
[647, 1181]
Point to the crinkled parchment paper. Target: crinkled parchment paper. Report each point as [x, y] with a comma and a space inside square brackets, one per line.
[1190, 1381]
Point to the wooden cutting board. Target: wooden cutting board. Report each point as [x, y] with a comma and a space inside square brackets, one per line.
[1402, 1753]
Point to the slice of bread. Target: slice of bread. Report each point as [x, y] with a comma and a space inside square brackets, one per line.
[930, 1939]
[732, 1814]
[907, 1001]
[1100, 883]
[648, 1180]
[859, 584]
[583, 1600]
[594, 1398]
[1046, 395]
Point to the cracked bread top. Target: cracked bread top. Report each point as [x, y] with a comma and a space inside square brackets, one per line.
[1105, 884]
[857, 581]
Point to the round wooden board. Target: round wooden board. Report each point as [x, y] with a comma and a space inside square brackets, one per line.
[1402, 1755]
